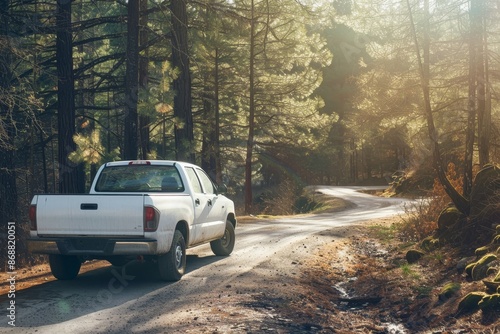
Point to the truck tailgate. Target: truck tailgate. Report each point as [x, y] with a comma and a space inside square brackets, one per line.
[90, 215]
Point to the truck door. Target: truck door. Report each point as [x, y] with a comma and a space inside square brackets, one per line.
[209, 223]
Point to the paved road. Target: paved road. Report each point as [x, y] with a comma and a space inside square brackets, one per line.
[134, 300]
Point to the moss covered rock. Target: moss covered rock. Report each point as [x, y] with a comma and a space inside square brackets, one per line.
[450, 224]
[468, 269]
[480, 268]
[448, 291]
[448, 217]
[430, 244]
[463, 263]
[413, 255]
[491, 285]
[471, 301]
[482, 251]
[489, 302]
[497, 277]
[483, 198]
[491, 271]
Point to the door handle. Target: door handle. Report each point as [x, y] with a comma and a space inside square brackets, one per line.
[209, 202]
[197, 201]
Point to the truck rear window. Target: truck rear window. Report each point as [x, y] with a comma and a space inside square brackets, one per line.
[139, 178]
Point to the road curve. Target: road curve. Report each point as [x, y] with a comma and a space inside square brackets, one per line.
[133, 299]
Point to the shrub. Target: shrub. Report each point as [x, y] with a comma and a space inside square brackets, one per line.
[420, 219]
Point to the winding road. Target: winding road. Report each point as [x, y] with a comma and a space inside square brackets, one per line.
[216, 294]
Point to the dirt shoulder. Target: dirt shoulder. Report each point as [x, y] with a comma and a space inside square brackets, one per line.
[362, 283]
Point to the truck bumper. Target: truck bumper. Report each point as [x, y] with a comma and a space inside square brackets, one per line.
[92, 246]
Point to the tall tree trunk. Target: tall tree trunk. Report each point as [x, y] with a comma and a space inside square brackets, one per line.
[207, 149]
[483, 96]
[210, 152]
[8, 189]
[130, 147]
[218, 162]
[460, 202]
[251, 117]
[184, 136]
[144, 78]
[353, 162]
[70, 174]
[471, 106]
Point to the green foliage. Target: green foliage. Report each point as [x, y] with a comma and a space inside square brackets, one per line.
[279, 200]
[423, 291]
[417, 223]
[305, 204]
[383, 232]
[407, 270]
[90, 149]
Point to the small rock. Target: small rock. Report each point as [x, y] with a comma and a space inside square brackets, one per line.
[413, 255]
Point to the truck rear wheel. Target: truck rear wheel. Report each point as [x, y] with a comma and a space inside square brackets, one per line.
[173, 264]
[64, 267]
[225, 245]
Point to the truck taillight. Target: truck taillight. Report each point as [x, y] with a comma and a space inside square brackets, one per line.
[151, 219]
[32, 216]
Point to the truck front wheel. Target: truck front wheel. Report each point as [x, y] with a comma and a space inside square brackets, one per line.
[64, 267]
[173, 264]
[224, 246]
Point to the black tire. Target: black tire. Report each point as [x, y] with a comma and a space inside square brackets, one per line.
[64, 267]
[225, 245]
[173, 264]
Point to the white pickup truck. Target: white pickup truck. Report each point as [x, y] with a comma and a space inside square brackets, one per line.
[151, 210]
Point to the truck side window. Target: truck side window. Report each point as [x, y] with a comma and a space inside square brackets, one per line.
[195, 182]
[208, 186]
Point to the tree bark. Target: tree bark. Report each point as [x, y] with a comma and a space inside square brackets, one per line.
[482, 82]
[70, 174]
[144, 78]
[130, 147]
[217, 157]
[251, 118]
[184, 136]
[471, 105]
[210, 151]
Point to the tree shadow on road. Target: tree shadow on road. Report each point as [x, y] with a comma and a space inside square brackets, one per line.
[52, 302]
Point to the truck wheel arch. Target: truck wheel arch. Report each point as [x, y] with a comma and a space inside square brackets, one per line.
[183, 227]
[232, 218]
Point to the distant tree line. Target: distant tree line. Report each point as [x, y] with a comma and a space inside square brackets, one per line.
[254, 91]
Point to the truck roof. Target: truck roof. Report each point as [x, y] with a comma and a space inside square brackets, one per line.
[147, 162]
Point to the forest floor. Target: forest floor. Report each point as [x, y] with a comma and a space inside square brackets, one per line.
[363, 284]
